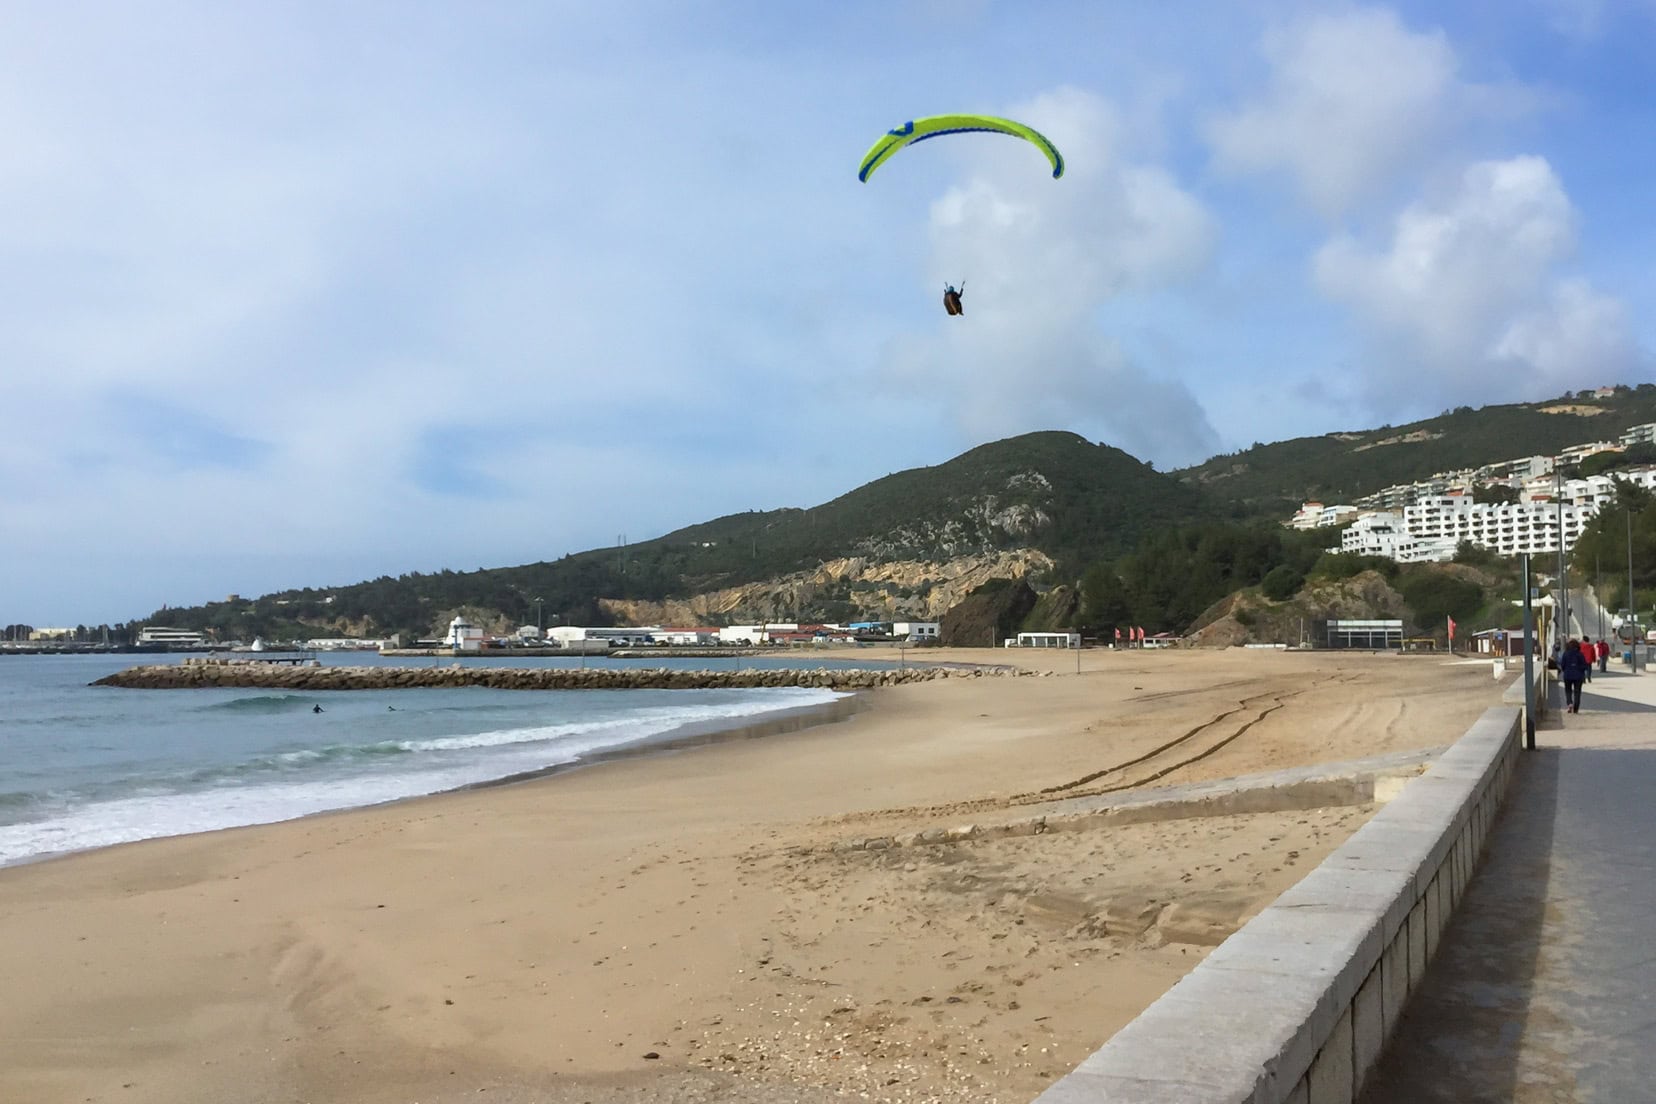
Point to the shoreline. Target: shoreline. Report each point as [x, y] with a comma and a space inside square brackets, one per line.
[688, 736]
[664, 927]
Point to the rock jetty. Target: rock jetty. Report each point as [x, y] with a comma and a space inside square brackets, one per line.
[197, 674]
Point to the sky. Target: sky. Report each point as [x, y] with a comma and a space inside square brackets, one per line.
[307, 294]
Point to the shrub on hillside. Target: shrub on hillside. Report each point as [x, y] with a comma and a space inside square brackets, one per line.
[1434, 597]
[1281, 583]
[1344, 565]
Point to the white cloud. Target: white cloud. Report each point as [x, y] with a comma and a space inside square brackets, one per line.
[1354, 98]
[1041, 259]
[1465, 299]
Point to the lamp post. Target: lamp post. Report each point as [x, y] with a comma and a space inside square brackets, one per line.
[1632, 606]
[1598, 593]
[1529, 661]
[1563, 582]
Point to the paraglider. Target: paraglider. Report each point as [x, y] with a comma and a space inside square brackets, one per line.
[951, 298]
[936, 126]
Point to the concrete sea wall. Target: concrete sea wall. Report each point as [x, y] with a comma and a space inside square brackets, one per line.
[252, 674]
[1296, 1006]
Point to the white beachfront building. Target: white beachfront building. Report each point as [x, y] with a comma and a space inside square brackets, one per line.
[1045, 640]
[917, 632]
[463, 636]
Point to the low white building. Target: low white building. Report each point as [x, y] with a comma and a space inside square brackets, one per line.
[566, 636]
[183, 638]
[463, 636]
[687, 638]
[1046, 640]
[918, 632]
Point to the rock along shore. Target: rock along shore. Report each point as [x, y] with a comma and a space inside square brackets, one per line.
[199, 674]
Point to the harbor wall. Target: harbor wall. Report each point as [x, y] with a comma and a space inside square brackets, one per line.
[252, 674]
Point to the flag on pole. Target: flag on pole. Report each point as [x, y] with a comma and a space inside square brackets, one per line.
[1118, 632]
[1141, 634]
[1451, 631]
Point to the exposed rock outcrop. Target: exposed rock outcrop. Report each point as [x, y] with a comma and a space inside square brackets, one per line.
[1248, 617]
[987, 616]
[918, 590]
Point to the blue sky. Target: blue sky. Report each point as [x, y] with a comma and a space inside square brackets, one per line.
[307, 294]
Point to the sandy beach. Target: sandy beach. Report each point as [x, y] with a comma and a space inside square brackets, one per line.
[682, 927]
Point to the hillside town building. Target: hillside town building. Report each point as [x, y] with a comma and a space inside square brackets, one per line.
[1427, 520]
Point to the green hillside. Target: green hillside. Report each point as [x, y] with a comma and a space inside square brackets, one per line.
[1080, 503]
[1054, 491]
[1273, 480]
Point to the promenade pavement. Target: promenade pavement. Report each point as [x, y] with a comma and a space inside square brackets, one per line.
[1544, 987]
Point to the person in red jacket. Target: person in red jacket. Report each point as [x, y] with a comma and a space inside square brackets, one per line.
[1589, 653]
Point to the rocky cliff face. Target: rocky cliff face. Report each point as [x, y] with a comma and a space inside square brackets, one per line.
[901, 590]
[1250, 618]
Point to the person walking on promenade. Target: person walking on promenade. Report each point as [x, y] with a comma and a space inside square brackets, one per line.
[1572, 669]
[1603, 655]
[1588, 653]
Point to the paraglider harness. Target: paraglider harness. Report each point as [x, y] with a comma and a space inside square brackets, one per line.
[951, 298]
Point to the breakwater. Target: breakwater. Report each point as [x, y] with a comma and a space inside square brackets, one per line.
[252, 674]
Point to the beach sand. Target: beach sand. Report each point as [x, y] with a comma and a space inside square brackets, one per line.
[681, 927]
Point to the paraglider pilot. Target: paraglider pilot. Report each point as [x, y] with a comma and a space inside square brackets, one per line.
[951, 299]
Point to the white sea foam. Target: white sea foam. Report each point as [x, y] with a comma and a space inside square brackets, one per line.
[438, 764]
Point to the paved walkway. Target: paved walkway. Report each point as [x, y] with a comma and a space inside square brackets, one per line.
[1544, 988]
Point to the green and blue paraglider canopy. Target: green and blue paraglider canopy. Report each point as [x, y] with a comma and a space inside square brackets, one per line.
[936, 126]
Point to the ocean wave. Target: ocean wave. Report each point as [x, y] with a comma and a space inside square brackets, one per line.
[279, 785]
[261, 703]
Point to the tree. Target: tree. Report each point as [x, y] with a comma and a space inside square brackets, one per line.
[1434, 597]
[1104, 600]
[1281, 583]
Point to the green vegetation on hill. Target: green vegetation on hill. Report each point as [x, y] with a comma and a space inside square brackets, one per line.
[1273, 480]
[1131, 546]
[1051, 491]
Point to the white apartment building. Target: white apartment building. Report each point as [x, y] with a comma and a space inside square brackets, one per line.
[1383, 533]
[1575, 454]
[1505, 528]
[1640, 434]
[1314, 515]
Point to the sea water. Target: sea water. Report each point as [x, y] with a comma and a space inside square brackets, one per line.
[86, 766]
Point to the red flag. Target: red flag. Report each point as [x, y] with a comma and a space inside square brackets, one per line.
[1451, 630]
[1118, 632]
[1141, 634]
